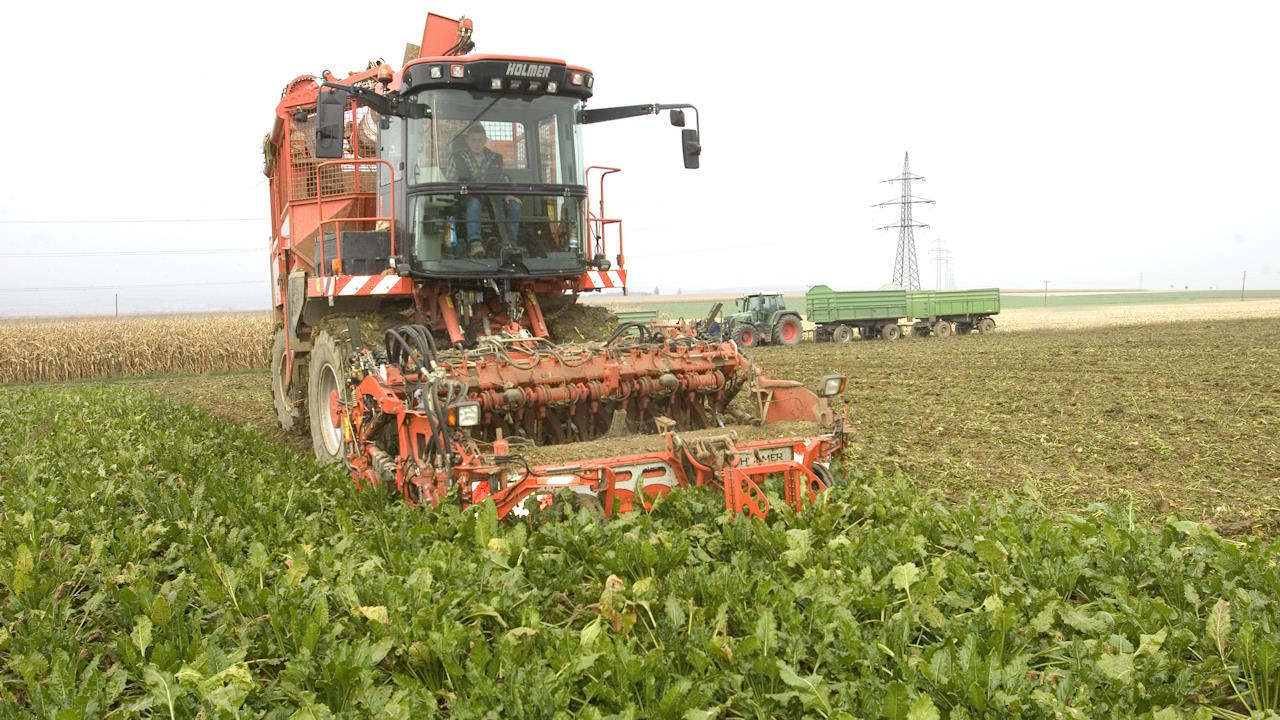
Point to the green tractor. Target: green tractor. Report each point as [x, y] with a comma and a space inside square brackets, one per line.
[762, 319]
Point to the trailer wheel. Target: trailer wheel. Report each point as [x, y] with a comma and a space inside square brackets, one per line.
[788, 331]
[745, 336]
[291, 413]
[986, 326]
[891, 332]
[842, 334]
[942, 328]
[326, 385]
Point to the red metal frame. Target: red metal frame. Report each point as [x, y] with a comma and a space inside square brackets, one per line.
[620, 484]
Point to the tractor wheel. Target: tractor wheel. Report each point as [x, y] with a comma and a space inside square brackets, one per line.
[745, 336]
[326, 384]
[986, 326]
[891, 332]
[942, 329]
[842, 333]
[788, 331]
[291, 413]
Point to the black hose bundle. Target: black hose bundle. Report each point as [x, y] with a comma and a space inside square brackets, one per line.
[413, 343]
[623, 328]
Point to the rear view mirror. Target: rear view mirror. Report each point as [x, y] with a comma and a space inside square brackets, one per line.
[330, 110]
[677, 118]
[692, 148]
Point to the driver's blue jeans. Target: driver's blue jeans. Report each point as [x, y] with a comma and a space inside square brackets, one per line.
[474, 208]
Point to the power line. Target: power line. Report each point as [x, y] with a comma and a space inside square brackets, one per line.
[134, 221]
[110, 253]
[133, 287]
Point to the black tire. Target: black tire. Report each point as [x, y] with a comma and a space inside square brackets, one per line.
[291, 407]
[986, 326]
[891, 332]
[842, 334]
[824, 474]
[326, 372]
[788, 331]
[745, 336]
[942, 329]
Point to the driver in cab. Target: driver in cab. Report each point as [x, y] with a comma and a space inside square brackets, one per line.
[474, 162]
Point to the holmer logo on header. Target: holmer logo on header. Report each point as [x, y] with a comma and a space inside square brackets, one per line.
[529, 70]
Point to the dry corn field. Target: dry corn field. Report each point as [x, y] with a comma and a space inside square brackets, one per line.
[73, 349]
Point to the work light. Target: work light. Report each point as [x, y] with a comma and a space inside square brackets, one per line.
[831, 385]
[464, 414]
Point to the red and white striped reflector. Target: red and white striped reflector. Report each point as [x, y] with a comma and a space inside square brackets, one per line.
[602, 279]
[359, 285]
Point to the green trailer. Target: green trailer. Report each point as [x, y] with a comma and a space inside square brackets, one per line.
[635, 316]
[960, 311]
[872, 313]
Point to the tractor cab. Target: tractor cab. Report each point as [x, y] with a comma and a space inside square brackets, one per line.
[492, 180]
[759, 307]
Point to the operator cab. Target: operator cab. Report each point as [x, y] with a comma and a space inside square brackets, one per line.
[763, 302]
[493, 181]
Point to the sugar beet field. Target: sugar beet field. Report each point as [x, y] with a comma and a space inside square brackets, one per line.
[1068, 523]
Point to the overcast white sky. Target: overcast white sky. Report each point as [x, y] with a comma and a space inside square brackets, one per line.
[1083, 142]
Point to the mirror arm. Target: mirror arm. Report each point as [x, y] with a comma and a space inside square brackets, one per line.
[684, 106]
[596, 115]
[384, 104]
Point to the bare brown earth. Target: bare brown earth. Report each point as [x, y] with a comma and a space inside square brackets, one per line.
[1175, 418]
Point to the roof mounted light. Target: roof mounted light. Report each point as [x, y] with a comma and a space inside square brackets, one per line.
[575, 78]
[437, 72]
[551, 87]
[495, 84]
[457, 71]
[591, 79]
[516, 84]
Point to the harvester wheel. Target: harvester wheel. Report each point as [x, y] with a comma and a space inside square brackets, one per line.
[842, 333]
[824, 474]
[942, 329]
[326, 384]
[788, 331]
[745, 336]
[291, 413]
[986, 326]
[891, 332]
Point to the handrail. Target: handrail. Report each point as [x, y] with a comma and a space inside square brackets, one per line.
[319, 198]
[601, 221]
